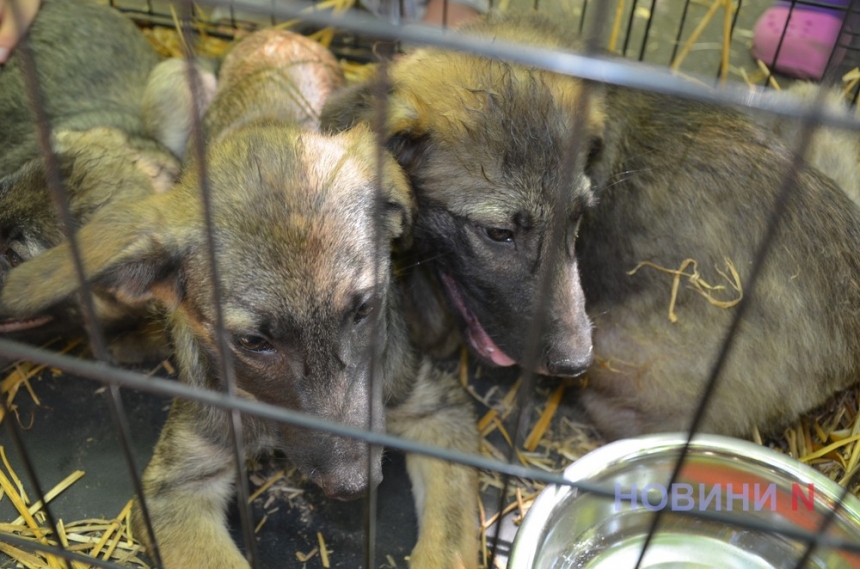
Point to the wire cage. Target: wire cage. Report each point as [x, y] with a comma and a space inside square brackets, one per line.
[105, 419]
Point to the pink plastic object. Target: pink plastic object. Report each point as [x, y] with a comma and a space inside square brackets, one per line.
[811, 36]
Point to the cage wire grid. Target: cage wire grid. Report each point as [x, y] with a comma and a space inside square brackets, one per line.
[588, 66]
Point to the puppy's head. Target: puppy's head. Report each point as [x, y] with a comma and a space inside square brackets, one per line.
[303, 271]
[100, 167]
[275, 74]
[496, 153]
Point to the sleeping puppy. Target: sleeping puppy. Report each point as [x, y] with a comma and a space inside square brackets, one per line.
[303, 232]
[656, 181]
[101, 168]
[97, 76]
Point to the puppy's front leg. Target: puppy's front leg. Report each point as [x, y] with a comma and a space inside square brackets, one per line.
[187, 485]
[439, 412]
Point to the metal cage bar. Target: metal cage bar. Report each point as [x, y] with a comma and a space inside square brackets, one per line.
[224, 359]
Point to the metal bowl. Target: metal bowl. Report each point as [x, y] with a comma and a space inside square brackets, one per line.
[567, 528]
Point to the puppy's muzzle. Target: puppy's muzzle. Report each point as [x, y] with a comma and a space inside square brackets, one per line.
[340, 488]
[570, 360]
[350, 479]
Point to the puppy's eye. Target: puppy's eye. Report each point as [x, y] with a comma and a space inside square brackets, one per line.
[253, 343]
[362, 312]
[500, 235]
[13, 258]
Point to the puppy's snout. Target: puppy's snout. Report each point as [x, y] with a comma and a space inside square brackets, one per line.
[349, 474]
[340, 488]
[568, 367]
[568, 363]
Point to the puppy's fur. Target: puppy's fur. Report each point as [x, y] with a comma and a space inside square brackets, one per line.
[832, 151]
[482, 142]
[95, 72]
[305, 282]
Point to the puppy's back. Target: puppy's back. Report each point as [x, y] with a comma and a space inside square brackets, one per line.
[92, 64]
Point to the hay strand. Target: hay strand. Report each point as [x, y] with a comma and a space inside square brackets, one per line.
[697, 283]
[266, 485]
[21, 556]
[694, 37]
[728, 11]
[115, 525]
[507, 403]
[541, 426]
[771, 80]
[303, 557]
[616, 26]
[51, 494]
[323, 550]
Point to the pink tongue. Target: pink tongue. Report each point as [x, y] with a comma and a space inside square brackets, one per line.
[477, 336]
[8, 326]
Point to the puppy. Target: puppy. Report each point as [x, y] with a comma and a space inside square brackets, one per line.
[481, 143]
[310, 310]
[832, 151]
[97, 76]
[656, 180]
[102, 167]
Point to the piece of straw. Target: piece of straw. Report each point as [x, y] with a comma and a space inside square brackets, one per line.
[303, 557]
[727, 40]
[52, 493]
[267, 484]
[694, 37]
[115, 525]
[323, 550]
[771, 80]
[616, 26]
[540, 427]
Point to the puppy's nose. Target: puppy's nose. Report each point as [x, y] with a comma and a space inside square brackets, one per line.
[344, 488]
[569, 367]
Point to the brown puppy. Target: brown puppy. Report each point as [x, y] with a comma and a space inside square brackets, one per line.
[482, 143]
[311, 312]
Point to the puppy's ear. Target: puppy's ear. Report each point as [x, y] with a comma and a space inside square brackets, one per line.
[400, 206]
[132, 251]
[349, 107]
[168, 106]
[405, 133]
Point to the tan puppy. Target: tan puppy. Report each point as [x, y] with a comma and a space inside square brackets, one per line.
[303, 235]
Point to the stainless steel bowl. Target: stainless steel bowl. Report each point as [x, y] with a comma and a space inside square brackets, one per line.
[567, 528]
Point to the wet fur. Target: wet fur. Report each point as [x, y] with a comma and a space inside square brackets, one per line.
[659, 180]
[298, 257]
